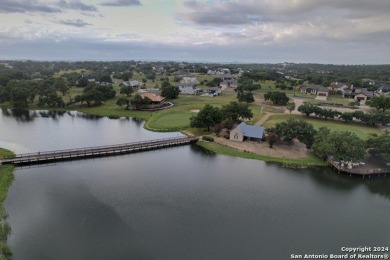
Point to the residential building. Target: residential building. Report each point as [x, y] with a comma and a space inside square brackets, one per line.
[244, 131]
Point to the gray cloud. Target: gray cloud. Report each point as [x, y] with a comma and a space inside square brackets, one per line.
[121, 3]
[77, 23]
[218, 12]
[97, 48]
[12, 6]
[77, 5]
[31, 6]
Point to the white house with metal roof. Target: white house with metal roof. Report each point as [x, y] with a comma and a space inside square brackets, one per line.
[244, 131]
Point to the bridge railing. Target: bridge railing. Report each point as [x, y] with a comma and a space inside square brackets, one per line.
[95, 148]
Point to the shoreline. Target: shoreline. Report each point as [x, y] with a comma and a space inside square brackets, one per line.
[6, 180]
[147, 116]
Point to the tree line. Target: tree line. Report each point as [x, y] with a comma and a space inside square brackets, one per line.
[343, 145]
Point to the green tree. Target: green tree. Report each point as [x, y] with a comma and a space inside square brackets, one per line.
[137, 102]
[122, 101]
[322, 145]
[290, 106]
[277, 97]
[379, 145]
[126, 90]
[342, 145]
[208, 116]
[169, 91]
[61, 86]
[381, 102]
[245, 97]
[235, 111]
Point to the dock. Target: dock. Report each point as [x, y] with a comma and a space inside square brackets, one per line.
[98, 151]
[362, 171]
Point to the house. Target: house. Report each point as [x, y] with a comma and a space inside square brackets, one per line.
[384, 89]
[244, 131]
[214, 90]
[226, 76]
[336, 87]
[188, 85]
[229, 83]
[363, 96]
[157, 101]
[315, 90]
[181, 74]
[132, 83]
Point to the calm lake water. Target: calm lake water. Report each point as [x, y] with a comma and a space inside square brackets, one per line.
[176, 203]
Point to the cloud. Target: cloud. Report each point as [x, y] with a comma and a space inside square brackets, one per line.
[217, 13]
[17, 6]
[77, 23]
[32, 6]
[122, 3]
[76, 5]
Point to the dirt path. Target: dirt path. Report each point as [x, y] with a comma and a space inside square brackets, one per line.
[264, 118]
[294, 151]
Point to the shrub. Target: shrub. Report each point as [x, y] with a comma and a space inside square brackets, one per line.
[208, 138]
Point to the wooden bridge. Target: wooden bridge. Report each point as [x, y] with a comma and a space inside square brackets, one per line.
[108, 150]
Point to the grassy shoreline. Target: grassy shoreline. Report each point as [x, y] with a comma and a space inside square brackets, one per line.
[6, 179]
[150, 120]
[310, 161]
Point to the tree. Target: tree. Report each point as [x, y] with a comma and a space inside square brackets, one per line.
[290, 106]
[82, 82]
[291, 129]
[169, 91]
[347, 146]
[123, 101]
[126, 90]
[96, 94]
[322, 145]
[137, 102]
[61, 86]
[245, 97]
[379, 145]
[105, 78]
[214, 82]
[208, 116]
[381, 102]
[19, 97]
[277, 97]
[342, 145]
[235, 110]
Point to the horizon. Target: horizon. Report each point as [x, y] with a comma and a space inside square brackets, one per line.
[214, 31]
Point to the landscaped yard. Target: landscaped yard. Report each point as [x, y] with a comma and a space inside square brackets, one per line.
[361, 130]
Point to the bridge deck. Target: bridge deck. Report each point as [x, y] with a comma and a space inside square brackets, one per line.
[78, 153]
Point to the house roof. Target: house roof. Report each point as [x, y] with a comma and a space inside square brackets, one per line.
[189, 81]
[384, 88]
[251, 130]
[125, 83]
[153, 97]
[134, 83]
[317, 87]
[181, 73]
[339, 85]
[367, 93]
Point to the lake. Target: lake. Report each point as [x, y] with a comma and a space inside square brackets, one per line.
[176, 203]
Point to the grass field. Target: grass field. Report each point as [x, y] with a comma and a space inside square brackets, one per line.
[362, 131]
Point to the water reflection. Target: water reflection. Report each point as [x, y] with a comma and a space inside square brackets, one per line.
[20, 115]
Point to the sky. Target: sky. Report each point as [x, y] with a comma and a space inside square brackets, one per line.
[251, 31]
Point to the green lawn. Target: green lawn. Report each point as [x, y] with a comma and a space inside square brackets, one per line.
[362, 131]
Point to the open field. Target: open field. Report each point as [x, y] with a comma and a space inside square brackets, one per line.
[361, 130]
